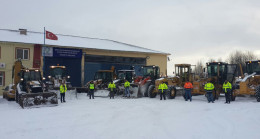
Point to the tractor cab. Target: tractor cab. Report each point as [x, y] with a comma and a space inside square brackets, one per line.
[31, 78]
[57, 72]
[221, 71]
[151, 71]
[126, 75]
[253, 66]
[184, 71]
[104, 75]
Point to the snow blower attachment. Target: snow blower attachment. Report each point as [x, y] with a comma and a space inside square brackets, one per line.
[29, 87]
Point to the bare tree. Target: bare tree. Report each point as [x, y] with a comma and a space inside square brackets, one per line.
[199, 68]
[240, 57]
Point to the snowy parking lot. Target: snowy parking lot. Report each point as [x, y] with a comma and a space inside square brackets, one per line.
[142, 118]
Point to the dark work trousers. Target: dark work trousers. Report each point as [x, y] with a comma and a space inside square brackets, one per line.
[187, 94]
[162, 93]
[210, 95]
[62, 97]
[228, 96]
[91, 93]
[112, 94]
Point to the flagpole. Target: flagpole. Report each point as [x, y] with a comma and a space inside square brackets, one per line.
[43, 53]
[44, 37]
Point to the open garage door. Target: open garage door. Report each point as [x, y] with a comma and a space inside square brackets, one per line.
[93, 63]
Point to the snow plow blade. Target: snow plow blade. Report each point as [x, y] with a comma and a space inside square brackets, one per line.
[28, 100]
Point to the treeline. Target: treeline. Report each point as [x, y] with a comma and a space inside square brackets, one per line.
[235, 57]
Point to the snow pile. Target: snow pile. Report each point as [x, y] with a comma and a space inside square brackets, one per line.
[142, 118]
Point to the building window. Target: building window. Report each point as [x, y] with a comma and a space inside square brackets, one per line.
[22, 53]
[2, 78]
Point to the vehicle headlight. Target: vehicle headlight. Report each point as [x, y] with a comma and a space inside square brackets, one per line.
[68, 77]
[21, 79]
[49, 77]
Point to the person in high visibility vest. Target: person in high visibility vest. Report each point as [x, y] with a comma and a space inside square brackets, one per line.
[188, 87]
[91, 89]
[63, 89]
[127, 85]
[112, 88]
[162, 90]
[209, 87]
[227, 87]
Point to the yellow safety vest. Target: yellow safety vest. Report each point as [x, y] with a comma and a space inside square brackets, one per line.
[209, 86]
[162, 86]
[91, 86]
[112, 86]
[127, 84]
[63, 89]
[227, 86]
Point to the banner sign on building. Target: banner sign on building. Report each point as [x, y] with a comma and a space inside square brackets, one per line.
[67, 52]
[47, 51]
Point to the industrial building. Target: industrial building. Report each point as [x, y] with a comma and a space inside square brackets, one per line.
[82, 56]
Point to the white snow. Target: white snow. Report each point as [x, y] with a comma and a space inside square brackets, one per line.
[71, 41]
[142, 118]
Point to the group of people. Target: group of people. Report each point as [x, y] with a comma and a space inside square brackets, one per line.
[209, 87]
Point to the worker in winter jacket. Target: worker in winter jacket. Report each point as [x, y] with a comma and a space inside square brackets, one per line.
[112, 88]
[188, 86]
[127, 85]
[209, 87]
[162, 90]
[63, 89]
[227, 88]
[91, 89]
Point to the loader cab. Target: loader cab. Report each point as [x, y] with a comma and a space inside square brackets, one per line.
[58, 72]
[31, 77]
[253, 66]
[126, 75]
[105, 76]
[218, 71]
[221, 71]
[151, 71]
[183, 71]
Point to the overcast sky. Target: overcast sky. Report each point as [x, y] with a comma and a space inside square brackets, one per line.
[190, 30]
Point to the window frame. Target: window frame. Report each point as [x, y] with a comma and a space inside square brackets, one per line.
[3, 80]
[23, 53]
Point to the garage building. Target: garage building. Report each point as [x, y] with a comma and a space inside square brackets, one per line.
[82, 56]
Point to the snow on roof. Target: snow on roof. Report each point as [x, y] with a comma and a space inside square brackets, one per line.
[71, 41]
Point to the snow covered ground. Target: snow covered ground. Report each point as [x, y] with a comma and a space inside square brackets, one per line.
[142, 118]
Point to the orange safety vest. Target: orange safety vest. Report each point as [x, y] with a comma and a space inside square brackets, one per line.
[188, 85]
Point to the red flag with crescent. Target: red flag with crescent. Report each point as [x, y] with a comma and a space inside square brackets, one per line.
[51, 36]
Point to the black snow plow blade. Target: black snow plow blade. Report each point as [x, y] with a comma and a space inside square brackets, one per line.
[38, 99]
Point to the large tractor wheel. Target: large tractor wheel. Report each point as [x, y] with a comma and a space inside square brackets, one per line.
[257, 93]
[4, 95]
[145, 89]
[171, 94]
[150, 92]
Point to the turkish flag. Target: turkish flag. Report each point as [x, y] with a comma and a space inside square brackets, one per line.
[51, 36]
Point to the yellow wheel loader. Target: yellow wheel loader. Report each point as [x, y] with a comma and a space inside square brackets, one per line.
[249, 84]
[183, 73]
[217, 73]
[29, 88]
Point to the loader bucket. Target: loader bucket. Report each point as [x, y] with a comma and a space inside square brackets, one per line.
[27, 100]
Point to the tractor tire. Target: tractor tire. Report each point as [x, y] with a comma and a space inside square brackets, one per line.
[257, 93]
[150, 92]
[146, 90]
[171, 94]
[4, 96]
[233, 96]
